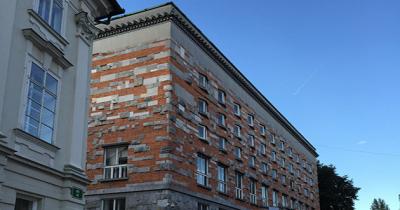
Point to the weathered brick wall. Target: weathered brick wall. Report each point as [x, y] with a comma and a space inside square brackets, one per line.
[135, 94]
[130, 96]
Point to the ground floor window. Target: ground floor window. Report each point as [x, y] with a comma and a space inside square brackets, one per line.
[202, 206]
[114, 204]
[25, 204]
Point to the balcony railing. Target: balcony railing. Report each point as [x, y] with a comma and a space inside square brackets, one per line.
[239, 193]
[115, 172]
[253, 199]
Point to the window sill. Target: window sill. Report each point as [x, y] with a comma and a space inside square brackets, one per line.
[204, 114]
[114, 180]
[239, 160]
[204, 140]
[240, 199]
[204, 187]
[223, 151]
[203, 88]
[222, 126]
[42, 22]
[223, 193]
[25, 135]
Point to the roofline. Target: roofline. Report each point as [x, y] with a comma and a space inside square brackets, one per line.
[177, 16]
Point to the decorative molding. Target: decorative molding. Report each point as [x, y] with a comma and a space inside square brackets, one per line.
[23, 134]
[85, 27]
[43, 23]
[47, 46]
[169, 12]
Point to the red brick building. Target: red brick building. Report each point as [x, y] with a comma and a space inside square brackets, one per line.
[174, 125]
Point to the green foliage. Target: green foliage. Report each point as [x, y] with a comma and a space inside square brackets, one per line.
[335, 192]
[379, 204]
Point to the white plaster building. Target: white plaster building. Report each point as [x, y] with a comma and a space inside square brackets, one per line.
[45, 48]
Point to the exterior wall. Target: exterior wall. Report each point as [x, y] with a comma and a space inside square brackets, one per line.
[30, 167]
[141, 79]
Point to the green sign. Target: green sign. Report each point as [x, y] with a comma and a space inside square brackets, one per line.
[77, 193]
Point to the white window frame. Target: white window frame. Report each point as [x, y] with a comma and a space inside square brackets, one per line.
[237, 131]
[120, 167]
[263, 149]
[202, 176]
[253, 191]
[274, 174]
[273, 156]
[114, 200]
[203, 81]
[22, 118]
[49, 21]
[238, 152]
[283, 179]
[251, 140]
[282, 146]
[34, 201]
[221, 120]
[275, 198]
[262, 130]
[203, 106]
[222, 143]
[204, 129]
[252, 161]
[236, 109]
[238, 185]
[264, 168]
[202, 206]
[250, 120]
[283, 162]
[221, 96]
[221, 177]
[264, 196]
[284, 201]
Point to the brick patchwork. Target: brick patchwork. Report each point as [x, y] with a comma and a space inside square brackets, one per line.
[146, 97]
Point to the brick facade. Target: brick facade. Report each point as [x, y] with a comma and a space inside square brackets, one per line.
[161, 105]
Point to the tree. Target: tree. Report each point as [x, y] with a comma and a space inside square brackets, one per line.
[379, 204]
[335, 192]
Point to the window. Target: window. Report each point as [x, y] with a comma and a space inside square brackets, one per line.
[236, 131]
[283, 162]
[238, 152]
[221, 120]
[297, 157]
[263, 149]
[291, 168]
[275, 198]
[239, 185]
[264, 196]
[298, 172]
[252, 161]
[222, 143]
[306, 192]
[41, 104]
[221, 97]
[116, 159]
[284, 201]
[253, 192]
[282, 146]
[251, 140]
[273, 139]
[25, 204]
[292, 202]
[221, 178]
[114, 204]
[273, 156]
[264, 168]
[290, 152]
[262, 130]
[202, 132]
[250, 120]
[51, 11]
[291, 185]
[236, 109]
[202, 170]
[181, 106]
[283, 179]
[202, 206]
[202, 106]
[274, 174]
[203, 81]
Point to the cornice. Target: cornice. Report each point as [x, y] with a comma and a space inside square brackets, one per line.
[172, 13]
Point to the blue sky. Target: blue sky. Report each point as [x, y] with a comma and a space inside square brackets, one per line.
[331, 67]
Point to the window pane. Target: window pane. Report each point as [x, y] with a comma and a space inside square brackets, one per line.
[35, 93]
[22, 204]
[37, 74]
[49, 102]
[107, 173]
[108, 204]
[33, 110]
[111, 157]
[56, 16]
[31, 126]
[47, 118]
[120, 204]
[123, 155]
[51, 84]
[46, 133]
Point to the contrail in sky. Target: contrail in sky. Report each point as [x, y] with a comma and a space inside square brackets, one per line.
[302, 85]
